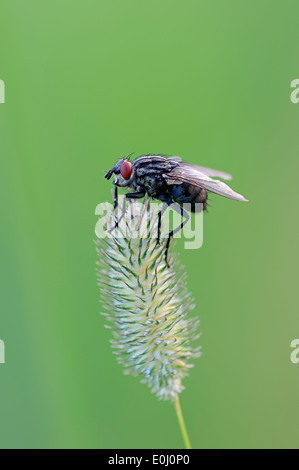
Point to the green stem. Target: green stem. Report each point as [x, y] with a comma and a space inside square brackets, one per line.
[182, 422]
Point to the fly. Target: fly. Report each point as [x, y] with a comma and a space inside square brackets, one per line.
[171, 181]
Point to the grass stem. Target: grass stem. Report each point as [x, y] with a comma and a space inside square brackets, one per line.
[182, 422]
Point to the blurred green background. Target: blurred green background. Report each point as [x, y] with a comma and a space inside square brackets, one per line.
[86, 83]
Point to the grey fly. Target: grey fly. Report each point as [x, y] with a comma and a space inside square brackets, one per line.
[171, 181]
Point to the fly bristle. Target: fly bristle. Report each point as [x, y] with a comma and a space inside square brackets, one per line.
[128, 157]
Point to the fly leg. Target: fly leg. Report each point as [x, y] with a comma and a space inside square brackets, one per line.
[130, 196]
[127, 196]
[115, 205]
[160, 213]
[115, 198]
[115, 209]
[135, 195]
[166, 203]
[183, 213]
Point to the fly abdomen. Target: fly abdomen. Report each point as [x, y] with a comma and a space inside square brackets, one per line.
[187, 193]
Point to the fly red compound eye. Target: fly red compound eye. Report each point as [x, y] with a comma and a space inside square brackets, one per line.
[126, 170]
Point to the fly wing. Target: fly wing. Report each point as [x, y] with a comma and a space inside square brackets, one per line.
[195, 176]
[209, 171]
